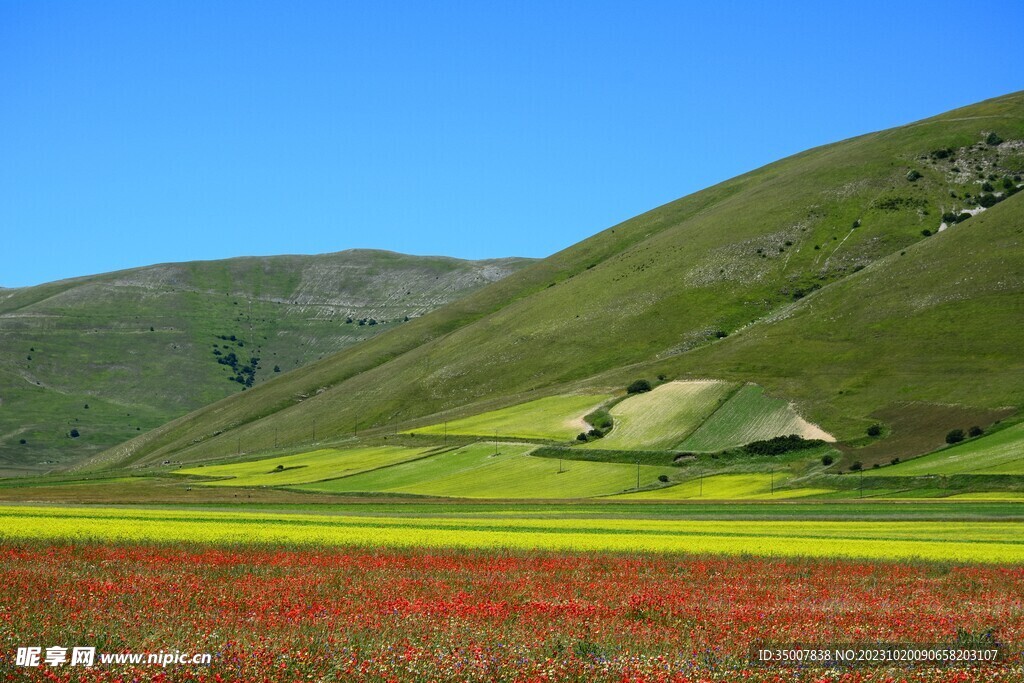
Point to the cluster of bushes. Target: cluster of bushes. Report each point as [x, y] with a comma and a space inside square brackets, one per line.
[781, 444]
[950, 218]
[243, 374]
[958, 435]
[897, 203]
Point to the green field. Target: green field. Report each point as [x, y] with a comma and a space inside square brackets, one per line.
[659, 419]
[748, 416]
[996, 542]
[558, 418]
[301, 468]
[728, 487]
[476, 472]
[998, 453]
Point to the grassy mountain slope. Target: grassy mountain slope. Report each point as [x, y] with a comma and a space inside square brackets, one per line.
[115, 354]
[816, 267]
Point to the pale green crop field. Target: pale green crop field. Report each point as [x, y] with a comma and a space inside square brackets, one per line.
[559, 418]
[301, 468]
[661, 418]
[727, 487]
[476, 472]
[991, 542]
[748, 416]
[999, 453]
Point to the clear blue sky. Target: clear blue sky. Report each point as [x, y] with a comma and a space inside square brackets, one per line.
[140, 132]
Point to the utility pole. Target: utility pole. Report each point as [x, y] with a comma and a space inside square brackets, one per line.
[238, 446]
[495, 441]
[560, 470]
[275, 437]
[638, 474]
[773, 482]
[701, 485]
[860, 478]
[446, 432]
[314, 430]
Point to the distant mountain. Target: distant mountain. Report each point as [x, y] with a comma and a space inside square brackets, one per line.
[88, 362]
[853, 279]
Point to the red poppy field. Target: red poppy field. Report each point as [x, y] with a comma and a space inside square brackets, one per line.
[300, 614]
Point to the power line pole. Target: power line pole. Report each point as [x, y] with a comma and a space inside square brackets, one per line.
[314, 430]
[638, 474]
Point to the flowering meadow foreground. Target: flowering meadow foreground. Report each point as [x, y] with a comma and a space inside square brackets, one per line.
[301, 614]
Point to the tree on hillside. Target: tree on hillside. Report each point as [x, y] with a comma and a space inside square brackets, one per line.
[638, 387]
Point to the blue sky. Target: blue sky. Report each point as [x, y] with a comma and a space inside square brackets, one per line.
[141, 132]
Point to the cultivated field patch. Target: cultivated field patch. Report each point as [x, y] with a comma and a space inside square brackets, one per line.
[558, 418]
[503, 470]
[998, 453]
[661, 418]
[325, 463]
[728, 487]
[748, 416]
[985, 542]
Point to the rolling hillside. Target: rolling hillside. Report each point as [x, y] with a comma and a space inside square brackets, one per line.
[113, 355]
[853, 279]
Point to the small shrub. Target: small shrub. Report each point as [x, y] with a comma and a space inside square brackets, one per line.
[827, 460]
[639, 386]
[875, 430]
[74, 434]
[582, 436]
[913, 175]
[955, 436]
[975, 431]
[662, 378]
[987, 187]
[856, 223]
[857, 466]
[993, 139]
[926, 232]
[949, 217]
[22, 441]
[721, 334]
[663, 478]
[875, 466]
[894, 461]
[595, 434]
[277, 368]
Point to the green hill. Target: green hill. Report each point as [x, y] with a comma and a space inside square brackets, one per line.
[117, 354]
[851, 279]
